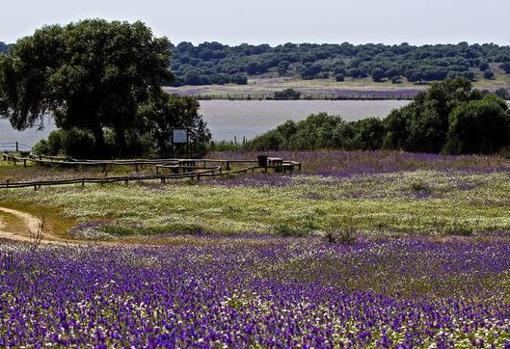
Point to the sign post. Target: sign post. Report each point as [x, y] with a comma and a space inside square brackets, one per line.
[181, 136]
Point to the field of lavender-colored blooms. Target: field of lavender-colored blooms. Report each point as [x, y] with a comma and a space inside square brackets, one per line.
[406, 293]
[360, 249]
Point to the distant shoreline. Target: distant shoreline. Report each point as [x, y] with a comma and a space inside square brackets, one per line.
[264, 89]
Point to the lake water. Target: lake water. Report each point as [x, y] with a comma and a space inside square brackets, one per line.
[229, 119]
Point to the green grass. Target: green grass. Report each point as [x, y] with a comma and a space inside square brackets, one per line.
[422, 202]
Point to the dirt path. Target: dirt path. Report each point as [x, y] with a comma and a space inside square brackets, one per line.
[30, 226]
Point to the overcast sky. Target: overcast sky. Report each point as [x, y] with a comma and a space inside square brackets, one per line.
[279, 21]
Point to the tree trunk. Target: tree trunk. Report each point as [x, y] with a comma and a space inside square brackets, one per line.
[120, 136]
[99, 137]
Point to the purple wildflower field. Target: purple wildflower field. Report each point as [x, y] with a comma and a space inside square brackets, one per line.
[272, 293]
[347, 164]
[418, 290]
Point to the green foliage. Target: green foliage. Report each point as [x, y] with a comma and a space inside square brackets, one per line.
[488, 74]
[268, 141]
[41, 147]
[396, 79]
[90, 75]
[215, 63]
[480, 126]
[378, 74]
[286, 230]
[483, 66]
[4, 48]
[287, 94]
[506, 67]
[163, 113]
[79, 143]
[322, 131]
[425, 124]
[174, 229]
[450, 116]
[339, 77]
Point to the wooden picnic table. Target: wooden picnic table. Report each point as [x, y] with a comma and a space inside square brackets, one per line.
[277, 162]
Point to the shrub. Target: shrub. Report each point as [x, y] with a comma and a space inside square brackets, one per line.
[339, 77]
[396, 79]
[285, 230]
[268, 141]
[342, 231]
[341, 236]
[479, 127]
[78, 143]
[287, 94]
[41, 148]
[175, 229]
[488, 74]
[56, 142]
[378, 74]
[483, 66]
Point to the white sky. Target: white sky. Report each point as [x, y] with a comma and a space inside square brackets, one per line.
[278, 21]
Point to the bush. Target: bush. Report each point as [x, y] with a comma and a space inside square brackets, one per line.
[369, 133]
[488, 74]
[483, 66]
[479, 127]
[341, 236]
[268, 141]
[288, 94]
[396, 79]
[285, 230]
[56, 142]
[340, 77]
[79, 143]
[74, 142]
[173, 229]
[378, 74]
[342, 231]
[41, 148]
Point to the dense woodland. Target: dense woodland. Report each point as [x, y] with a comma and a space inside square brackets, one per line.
[215, 63]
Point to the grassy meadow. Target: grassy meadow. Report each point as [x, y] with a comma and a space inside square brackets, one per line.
[371, 193]
[359, 250]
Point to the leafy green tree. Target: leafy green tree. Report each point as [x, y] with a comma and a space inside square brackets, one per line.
[283, 67]
[269, 141]
[423, 125]
[164, 113]
[90, 75]
[483, 66]
[488, 74]
[479, 126]
[378, 74]
[369, 133]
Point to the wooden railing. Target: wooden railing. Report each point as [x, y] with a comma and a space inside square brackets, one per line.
[184, 168]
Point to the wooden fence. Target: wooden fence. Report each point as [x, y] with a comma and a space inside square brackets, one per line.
[185, 168]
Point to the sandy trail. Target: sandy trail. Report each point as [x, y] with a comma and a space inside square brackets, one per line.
[31, 226]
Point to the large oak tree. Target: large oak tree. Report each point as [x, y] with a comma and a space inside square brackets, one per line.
[90, 75]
